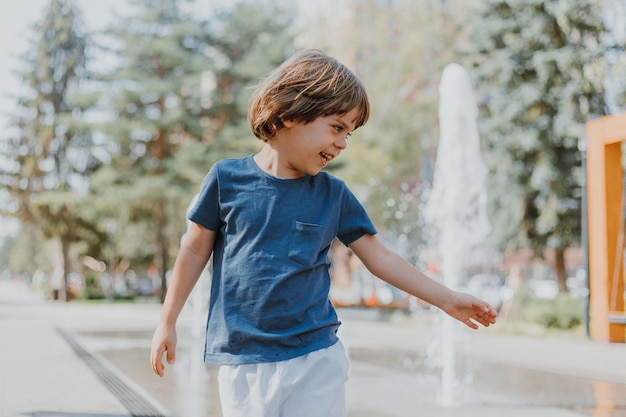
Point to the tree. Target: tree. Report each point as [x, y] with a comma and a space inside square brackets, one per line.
[27, 253]
[177, 99]
[50, 155]
[538, 67]
[247, 39]
[152, 97]
[398, 48]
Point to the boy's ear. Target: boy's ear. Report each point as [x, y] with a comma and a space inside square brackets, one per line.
[287, 123]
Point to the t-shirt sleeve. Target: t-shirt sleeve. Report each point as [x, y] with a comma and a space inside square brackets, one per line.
[354, 221]
[205, 212]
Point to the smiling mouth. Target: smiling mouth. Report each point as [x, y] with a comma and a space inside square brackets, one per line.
[326, 158]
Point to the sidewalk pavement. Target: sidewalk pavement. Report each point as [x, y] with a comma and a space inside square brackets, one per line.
[40, 373]
[42, 376]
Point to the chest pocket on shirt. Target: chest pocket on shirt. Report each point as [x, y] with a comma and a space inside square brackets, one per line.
[305, 242]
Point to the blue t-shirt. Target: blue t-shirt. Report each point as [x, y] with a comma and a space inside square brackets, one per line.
[269, 294]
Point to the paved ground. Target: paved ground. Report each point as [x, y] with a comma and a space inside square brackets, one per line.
[43, 375]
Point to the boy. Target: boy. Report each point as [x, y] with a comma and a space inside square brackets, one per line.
[268, 220]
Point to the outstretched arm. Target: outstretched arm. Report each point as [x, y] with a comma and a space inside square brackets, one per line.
[397, 271]
[192, 258]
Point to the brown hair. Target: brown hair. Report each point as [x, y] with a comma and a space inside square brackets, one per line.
[306, 86]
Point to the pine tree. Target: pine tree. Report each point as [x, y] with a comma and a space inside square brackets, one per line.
[538, 67]
[51, 152]
[177, 100]
[152, 99]
[251, 39]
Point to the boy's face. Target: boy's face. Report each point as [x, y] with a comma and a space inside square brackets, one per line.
[307, 148]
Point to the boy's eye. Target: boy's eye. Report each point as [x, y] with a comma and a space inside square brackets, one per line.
[340, 129]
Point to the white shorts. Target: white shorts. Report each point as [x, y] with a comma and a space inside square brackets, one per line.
[312, 385]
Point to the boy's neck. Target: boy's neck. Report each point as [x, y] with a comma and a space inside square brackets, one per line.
[270, 161]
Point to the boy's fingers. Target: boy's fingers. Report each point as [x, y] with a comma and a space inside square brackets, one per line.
[471, 324]
[159, 368]
[484, 322]
[157, 363]
[171, 355]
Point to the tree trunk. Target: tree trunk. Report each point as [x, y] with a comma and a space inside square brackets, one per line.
[161, 252]
[559, 270]
[64, 293]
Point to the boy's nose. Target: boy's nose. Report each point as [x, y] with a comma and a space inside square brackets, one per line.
[341, 143]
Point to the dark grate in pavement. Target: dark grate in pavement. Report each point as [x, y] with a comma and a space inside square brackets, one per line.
[134, 402]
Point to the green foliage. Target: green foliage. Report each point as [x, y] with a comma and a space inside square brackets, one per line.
[5, 247]
[93, 290]
[51, 152]
[538, 68]
[153, 98]
[27, 252]
[565, 312]
[246, 40]
[113, 163]
[177, 102]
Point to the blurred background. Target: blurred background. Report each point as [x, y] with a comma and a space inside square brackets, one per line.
[114, 111]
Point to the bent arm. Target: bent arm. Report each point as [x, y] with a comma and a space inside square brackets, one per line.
[192, 258]
[397, 271]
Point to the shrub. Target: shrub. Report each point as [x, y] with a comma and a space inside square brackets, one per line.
[563, 312]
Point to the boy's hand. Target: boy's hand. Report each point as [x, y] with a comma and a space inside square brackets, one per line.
[163, 340]
[471, 310]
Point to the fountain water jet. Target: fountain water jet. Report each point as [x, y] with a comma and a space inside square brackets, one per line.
[456, 207]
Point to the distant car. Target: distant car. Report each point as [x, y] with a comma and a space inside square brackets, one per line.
[488, 287]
